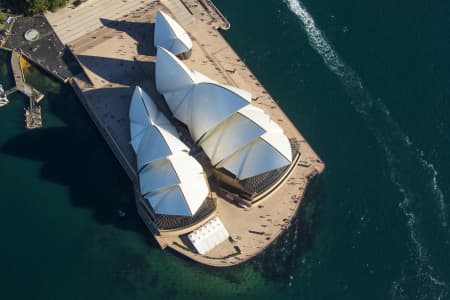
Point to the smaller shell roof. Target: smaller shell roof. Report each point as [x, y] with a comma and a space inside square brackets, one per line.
[170, 35]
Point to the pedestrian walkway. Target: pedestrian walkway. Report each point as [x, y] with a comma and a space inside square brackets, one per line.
[19, 78]
[179, 11]
[71, 23]
[33, 116]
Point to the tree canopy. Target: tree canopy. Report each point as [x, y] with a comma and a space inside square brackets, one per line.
[32, 7]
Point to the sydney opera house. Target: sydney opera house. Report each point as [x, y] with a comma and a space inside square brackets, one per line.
[205, 158]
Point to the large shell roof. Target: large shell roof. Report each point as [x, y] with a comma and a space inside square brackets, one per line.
[171, 180]
[233, 133]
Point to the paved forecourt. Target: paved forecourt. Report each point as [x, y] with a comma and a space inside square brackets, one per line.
[120, 55]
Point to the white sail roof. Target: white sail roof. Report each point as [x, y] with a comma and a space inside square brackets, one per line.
[193, 98]
[180, 200]
[260, 156]
[171, 170]
[170, 35]
[171, 74]
[143, 112]
[233, 133]
[210, 104]
[247, 144]
[175, 185]
[157, 143]
[174, 77]
[171, 180]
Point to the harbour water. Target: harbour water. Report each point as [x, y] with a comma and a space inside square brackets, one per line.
[368, 85]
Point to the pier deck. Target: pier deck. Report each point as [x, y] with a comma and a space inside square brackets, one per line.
[33, 114]
[11, 91]
[33, 117]
[120, 55]
[19, 79]
[71, 23]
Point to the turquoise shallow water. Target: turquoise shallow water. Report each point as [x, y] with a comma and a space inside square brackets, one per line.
[367, 83]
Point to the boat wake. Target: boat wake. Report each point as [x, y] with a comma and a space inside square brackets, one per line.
[391, 138]
[430, 284]
[438, 194]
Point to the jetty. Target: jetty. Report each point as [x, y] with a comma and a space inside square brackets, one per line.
[19, 79]
[33, 114]
[114, 46]
[43, 49]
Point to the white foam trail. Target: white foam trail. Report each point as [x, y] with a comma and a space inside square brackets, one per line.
[425, 272]
[397, 290]
[438, 194]
[363, 102]
[317, 40]
[405, 204]
[370, 108]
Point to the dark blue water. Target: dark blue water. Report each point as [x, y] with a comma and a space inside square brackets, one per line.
[367, 83]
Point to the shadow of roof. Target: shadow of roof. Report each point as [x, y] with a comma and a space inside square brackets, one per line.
[142, 33]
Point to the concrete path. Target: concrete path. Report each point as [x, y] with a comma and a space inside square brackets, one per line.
[179, 11]
[71, 23]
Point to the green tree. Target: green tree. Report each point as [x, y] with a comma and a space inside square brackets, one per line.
[54, 4]
[32, 7]
[36, 6]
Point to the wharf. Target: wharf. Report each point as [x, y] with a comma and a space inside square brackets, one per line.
[11, 91]
[33, 94]
[117, 54]
[33, 114]
[33, 117]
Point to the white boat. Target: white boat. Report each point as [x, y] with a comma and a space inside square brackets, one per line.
[3, 99]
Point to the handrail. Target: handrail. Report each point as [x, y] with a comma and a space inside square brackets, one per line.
[224, 19]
